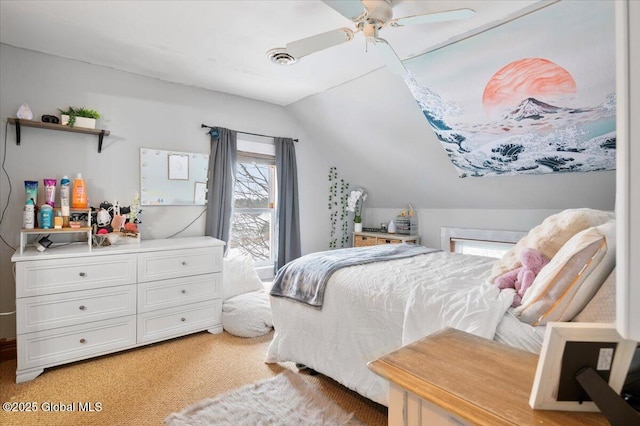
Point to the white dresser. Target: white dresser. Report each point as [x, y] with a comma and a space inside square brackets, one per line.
[73, 303]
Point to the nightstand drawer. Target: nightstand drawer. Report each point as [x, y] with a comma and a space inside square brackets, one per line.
[42, 277]
[178, 291]
[388, 241]
[163, 265]
[363, 241]
[167, 323]
[45, 348]
[62, 310]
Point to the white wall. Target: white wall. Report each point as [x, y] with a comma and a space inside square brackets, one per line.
[139, 112]
[431, 220]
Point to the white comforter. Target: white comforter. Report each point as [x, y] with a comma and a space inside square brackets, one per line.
[371, 310]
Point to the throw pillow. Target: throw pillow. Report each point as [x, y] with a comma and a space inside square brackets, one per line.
[239, 276]
[550, 236]
[602, 308]
[565, 286]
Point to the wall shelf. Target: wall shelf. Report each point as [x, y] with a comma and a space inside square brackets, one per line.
[51, 126]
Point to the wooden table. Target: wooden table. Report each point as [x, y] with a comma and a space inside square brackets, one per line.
[452, 377]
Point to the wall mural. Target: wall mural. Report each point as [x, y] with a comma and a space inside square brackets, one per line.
[534, 95]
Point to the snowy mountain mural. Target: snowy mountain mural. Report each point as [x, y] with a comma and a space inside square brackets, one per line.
[535, 114]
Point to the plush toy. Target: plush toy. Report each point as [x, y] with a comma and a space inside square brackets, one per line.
[521, 278]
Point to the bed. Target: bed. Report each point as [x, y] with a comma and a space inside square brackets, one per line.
[372, 309]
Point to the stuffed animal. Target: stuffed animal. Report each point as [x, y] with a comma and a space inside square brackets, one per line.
[521, 278]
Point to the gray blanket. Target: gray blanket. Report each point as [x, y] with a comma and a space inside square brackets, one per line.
[304, 279]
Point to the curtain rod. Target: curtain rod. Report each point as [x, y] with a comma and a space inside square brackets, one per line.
[246, 133]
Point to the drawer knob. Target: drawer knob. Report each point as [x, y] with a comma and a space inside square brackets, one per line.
[183, 319]
[82, 307]
[184, 292]
[184, 263]
[82, 340]
[82, 274]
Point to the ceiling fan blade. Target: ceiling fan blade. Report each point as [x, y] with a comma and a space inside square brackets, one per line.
[306, 46]
[350, 9]
[390, 57]
[449, 15]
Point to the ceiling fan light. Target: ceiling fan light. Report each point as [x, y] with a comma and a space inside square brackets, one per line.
[280, 56]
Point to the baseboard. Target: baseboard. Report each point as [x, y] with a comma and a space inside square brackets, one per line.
[7, 349]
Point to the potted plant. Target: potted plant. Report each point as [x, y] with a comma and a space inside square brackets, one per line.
[79, 117]
[354, 204]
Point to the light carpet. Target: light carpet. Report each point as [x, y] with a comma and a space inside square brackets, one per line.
[285, 399]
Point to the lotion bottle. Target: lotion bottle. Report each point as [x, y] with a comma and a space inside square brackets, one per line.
[79, 196]
[29, 215]
[65, 194]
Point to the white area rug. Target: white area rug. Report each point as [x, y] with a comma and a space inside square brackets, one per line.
[285, 399]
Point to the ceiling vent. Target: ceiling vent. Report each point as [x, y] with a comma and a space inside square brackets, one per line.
[280, 56]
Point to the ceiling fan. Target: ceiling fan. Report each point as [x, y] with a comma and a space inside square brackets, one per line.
[376, 15]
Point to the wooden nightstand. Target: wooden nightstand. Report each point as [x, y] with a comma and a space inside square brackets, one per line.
[362, 239]
[453, 378]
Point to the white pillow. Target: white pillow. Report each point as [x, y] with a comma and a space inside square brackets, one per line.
[239, 276]
[550, 236]
[564, 287]
[602, 308]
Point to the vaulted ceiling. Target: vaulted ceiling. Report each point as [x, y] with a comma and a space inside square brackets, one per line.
[222, 45]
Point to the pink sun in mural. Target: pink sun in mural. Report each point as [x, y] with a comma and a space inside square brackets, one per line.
[526, 78]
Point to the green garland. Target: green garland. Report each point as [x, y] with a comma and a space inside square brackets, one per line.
[338, 196]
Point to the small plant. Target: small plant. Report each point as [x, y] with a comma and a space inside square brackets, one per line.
[355, 202]
[74, 112]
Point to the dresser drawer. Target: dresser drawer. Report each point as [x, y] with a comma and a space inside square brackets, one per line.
[52, 276]
[178, 291]
[363, 241]
[61, 310]
[161, 265]
[173, 322]
[47, 348]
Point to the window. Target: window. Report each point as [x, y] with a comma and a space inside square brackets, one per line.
[253, 219]
[480, 248]
[479, 242]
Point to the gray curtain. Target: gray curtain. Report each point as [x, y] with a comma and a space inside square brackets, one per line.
[288, 216]
[222, 172]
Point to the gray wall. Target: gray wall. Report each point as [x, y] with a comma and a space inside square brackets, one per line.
[139, 112]
[369, 128]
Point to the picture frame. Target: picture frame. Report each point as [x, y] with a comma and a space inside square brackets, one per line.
[598, 345]
[178, 167]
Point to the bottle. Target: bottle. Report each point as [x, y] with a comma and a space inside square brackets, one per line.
[65, 183]
[50, 191]
[46, 217]
[79, 196]
[29, 215]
